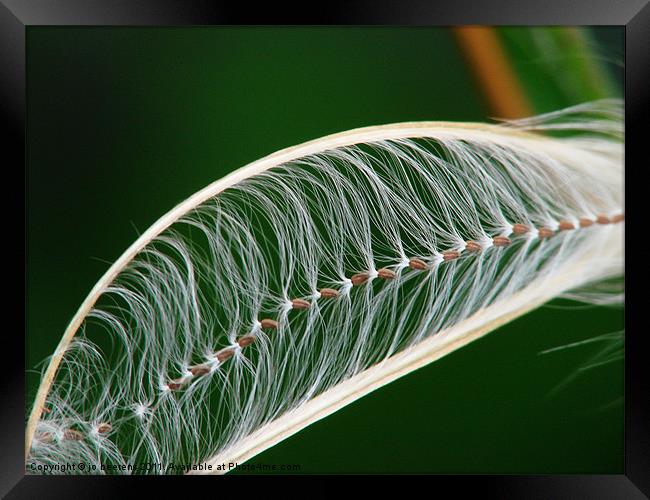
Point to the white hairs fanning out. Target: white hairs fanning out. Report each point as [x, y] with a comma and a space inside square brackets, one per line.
[309, 278]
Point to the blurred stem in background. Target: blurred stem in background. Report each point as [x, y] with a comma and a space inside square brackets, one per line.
[522, 71]
[493, 71]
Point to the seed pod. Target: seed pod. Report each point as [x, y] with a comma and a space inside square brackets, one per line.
[617, 218]
[602, 219]
[584, 222]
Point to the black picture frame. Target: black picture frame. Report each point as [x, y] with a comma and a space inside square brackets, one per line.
[17, 15]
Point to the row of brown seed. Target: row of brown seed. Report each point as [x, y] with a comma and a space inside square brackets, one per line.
[329, 293]
[387, 274]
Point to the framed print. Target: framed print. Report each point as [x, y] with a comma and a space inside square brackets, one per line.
[385, 241]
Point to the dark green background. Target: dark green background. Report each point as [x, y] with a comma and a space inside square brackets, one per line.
[123, 123]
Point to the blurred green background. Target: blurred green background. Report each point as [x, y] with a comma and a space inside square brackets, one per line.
[123, 123]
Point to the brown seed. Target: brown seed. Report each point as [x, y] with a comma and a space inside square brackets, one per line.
[544, 232]
[72, 435]
[618, 218]
[359, 279]
[300, 304]
[45, 437]
[246, 340]
[104, 428]
[450, 255]
[387, 274]
[602, 219]
[520, 228]
[225, 354]
[329, 293]
[584, 222]
[566, 225]
[176, 384]
[472, 246]
[418, 264]
[199, 370]
[269, 323]
[501, 241]
[46, 409]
